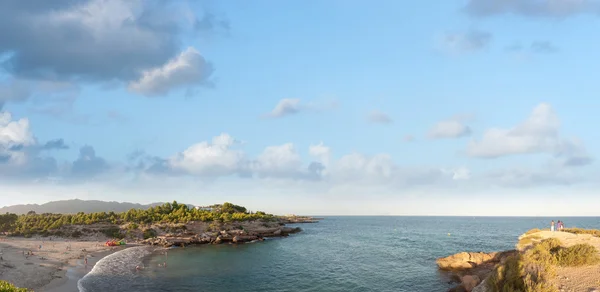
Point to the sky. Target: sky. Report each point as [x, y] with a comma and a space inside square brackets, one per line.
[471, 107]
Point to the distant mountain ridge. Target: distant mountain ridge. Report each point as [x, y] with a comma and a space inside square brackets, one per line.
[75, 206]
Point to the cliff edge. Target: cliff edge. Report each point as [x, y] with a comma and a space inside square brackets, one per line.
[543, 261]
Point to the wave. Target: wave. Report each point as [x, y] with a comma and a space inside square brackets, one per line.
[115, 269]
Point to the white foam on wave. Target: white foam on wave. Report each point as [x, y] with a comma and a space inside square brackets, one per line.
[119, 265]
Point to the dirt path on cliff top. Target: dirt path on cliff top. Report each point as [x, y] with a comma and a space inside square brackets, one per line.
[576, 279]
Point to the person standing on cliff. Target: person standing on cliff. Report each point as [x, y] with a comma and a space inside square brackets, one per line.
[560, 226]
[552, 226]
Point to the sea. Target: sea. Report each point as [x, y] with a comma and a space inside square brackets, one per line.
[337, 254]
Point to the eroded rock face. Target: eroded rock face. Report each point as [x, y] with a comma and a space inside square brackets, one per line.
[469, 268]
[465, 260]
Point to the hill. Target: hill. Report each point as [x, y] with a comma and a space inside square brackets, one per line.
[74, 206]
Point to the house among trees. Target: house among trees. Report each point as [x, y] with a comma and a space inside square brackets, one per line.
[211, 208]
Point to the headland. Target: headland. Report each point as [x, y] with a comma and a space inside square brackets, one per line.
[542, 261]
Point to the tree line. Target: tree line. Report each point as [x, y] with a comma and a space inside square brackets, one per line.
[32, 223]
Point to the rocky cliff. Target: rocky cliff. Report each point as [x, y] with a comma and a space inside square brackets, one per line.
[469, 269]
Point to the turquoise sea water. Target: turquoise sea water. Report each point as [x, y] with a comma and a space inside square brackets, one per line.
[337, 254]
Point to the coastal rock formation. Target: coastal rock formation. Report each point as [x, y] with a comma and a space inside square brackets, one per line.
[468, 268]
[469, 260]
[223, 236]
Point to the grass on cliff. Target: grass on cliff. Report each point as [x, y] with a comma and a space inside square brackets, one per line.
[527, 240]
[594, 232]
[8, 287]
[532, 270]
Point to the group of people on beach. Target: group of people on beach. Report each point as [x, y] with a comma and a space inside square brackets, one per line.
[559, 226]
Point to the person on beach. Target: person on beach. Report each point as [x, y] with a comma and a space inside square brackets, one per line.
[552, 226]
[85, 261]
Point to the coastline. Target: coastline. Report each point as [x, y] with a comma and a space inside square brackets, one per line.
[56, 264]
[54, 267]
[76, 270]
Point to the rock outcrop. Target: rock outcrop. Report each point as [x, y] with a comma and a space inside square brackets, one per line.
[469, 260]
[469, 268]
[223, 236]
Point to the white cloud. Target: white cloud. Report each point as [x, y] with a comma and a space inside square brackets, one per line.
[291, 106]
[461, 173]
[539, 133]
[278, 161]
[283, 164]
[452, 128]
[209, 159]
[379, 117]
[321, 152]
[285, 107]
[527, 177]
[187, 69]
[356, 167]
[14, 133]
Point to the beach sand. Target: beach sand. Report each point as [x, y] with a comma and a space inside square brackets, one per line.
[55, 267]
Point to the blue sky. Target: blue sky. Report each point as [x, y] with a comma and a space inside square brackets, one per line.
[318, 107]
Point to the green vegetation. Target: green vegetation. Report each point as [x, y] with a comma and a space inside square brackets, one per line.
[594, 232]
[48, 224]
[532, 270]
[527, 240]
[149, 233]
[578, 255]
[8, 287]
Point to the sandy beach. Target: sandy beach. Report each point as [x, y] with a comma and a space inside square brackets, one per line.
[47, 268]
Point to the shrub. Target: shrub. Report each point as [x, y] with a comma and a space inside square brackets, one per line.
[578, 255]
[149, 233]
[528, 272]
[594, 232]
[112, 232]
[527, 240]
[8, 287]
[76, 234]
[533, 270]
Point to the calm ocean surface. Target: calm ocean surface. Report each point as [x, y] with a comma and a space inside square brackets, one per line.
[337, 254]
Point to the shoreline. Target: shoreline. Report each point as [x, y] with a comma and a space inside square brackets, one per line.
[75, 271]
[57, 263]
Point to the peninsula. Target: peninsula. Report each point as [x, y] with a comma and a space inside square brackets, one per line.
[542, 261]
[36, 249]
